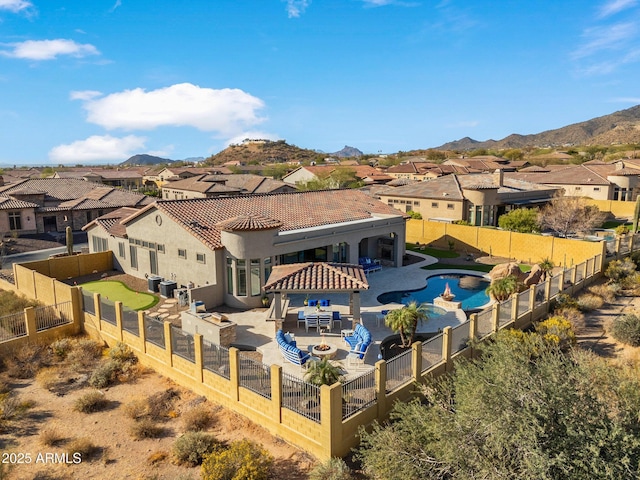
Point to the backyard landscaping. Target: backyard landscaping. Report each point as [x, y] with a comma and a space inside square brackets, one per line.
[118, 291]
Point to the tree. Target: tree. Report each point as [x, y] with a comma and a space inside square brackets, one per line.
[322, 373]
[525, 409]
[546, 265]
[502, 288]
[570, 215]
[523, 220]
[513, 154]
[405, 321]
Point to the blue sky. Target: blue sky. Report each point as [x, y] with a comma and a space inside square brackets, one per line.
[97, 81]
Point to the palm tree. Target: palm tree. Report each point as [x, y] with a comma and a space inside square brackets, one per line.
[323, 373]
[502, 288]
[546, 265]
[405, 321]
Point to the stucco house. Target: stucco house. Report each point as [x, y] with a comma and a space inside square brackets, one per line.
[477, 198]
[228, 245]
[207, 186]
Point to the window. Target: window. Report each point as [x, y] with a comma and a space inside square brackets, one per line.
[133, 255]
[100, 244]
[578, 188]
[416, 203]
[434, 204]
[15, 221]
[230, 276]
[255, 277]
[200, 258]
[450, 206]
[241, 273]
[121, 249]
[267, 268]
[161, 248]
[182, 253]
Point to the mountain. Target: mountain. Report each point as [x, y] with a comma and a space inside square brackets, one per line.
[619, 127]
[263, 151]
[144, 159]
[348, 151]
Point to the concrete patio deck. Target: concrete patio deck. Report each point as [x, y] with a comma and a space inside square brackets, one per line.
[253, 329]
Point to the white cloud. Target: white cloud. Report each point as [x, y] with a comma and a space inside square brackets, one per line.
[116, 5]
[226, 112]
[295, 8]
[606, 38]
[98, 148]
[15, 5]
[631, 100]
[253, 135]
[84, 94]
[614, 6]
[48, 49]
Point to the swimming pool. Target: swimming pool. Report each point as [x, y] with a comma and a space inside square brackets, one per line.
[468, 289]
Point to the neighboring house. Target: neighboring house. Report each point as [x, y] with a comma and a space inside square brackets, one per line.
[478, 198]
[179, 173]
[366, 173]
[126, 178]
[595, 179]
[60, 203]
[17, 216]
[227, 245]
[487, 163]
[207, 186]
[421, 171]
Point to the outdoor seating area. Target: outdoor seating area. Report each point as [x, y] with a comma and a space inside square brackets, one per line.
[290, 351]
[369, 265]
[318, 314]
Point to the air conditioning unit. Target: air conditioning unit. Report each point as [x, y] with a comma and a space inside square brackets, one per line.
[182, 295]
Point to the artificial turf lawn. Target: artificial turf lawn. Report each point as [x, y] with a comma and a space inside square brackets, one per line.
[118, 291]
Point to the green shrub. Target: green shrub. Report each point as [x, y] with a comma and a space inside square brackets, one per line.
[622, 272]
[90, 402]
[123, 353]
[243, 460]
[573, 315]
[11, 302]
[146, 428]
[61, 347]
[626, 329]
[192, 447]
[622, 229]
[589, 301]
[333, 469]
[563, 301]
[197, 419]
[557, 331]
[106, 374]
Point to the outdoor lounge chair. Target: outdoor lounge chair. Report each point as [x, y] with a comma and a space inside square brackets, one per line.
[369, 265]
[357, 354]
[290, 351]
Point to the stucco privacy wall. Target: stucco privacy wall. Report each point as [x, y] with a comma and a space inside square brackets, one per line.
[616, 208]
[521, 246]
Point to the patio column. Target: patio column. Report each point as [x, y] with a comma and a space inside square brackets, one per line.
[356, 306]
[277, 309]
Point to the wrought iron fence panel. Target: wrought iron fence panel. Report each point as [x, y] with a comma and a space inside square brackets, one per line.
[431, 352]
[107, 310]
[597, 266]
[130, 321]
[625, 245]
[568, 282]
[579, 272]
[460, 337]
[523, 303]
[254, 375]
[539, 295]
[399, 371]
[154, 331]
[484, 323]
[506, 308]
[88, 304]
[215, 358]
[556, 286]
[53, 316]
[589, 267]
[611, 247]
[12, 326]
[358, 394]
[301, 397]
[182, 344]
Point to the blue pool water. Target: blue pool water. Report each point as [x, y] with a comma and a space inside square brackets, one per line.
[468, 289]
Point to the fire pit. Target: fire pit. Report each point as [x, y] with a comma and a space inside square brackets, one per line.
[324, 350]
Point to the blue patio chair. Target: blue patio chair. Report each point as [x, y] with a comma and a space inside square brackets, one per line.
[312, 303]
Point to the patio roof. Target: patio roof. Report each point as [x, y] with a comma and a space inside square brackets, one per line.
[316, 277]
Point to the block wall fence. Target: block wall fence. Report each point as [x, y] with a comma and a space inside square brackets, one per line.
[342, 408]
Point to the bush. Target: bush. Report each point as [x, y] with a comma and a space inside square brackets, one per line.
[61, 347]
[123, 353]
[136, 409]
[557, 331]
[622, 272]
[242, 460]
[106, 374]
[51, 437]
[157, 457]
[161, 404]
[192, 447]
[85, 447]
[333, 469]
[622, 229]
[589, 301]
[606, 292]
[88, 347]
[27, 360]
[626, 329]
[47, 377]
[563, 301]
[197, 419]
[90, 402]
[146, 428]
[573, 315]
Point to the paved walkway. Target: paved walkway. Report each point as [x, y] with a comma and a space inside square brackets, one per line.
[254, 330]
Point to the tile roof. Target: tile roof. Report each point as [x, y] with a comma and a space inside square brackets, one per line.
[112, 221]
[7, 203]
[317, 276]
[243, 223]
[295, 210]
